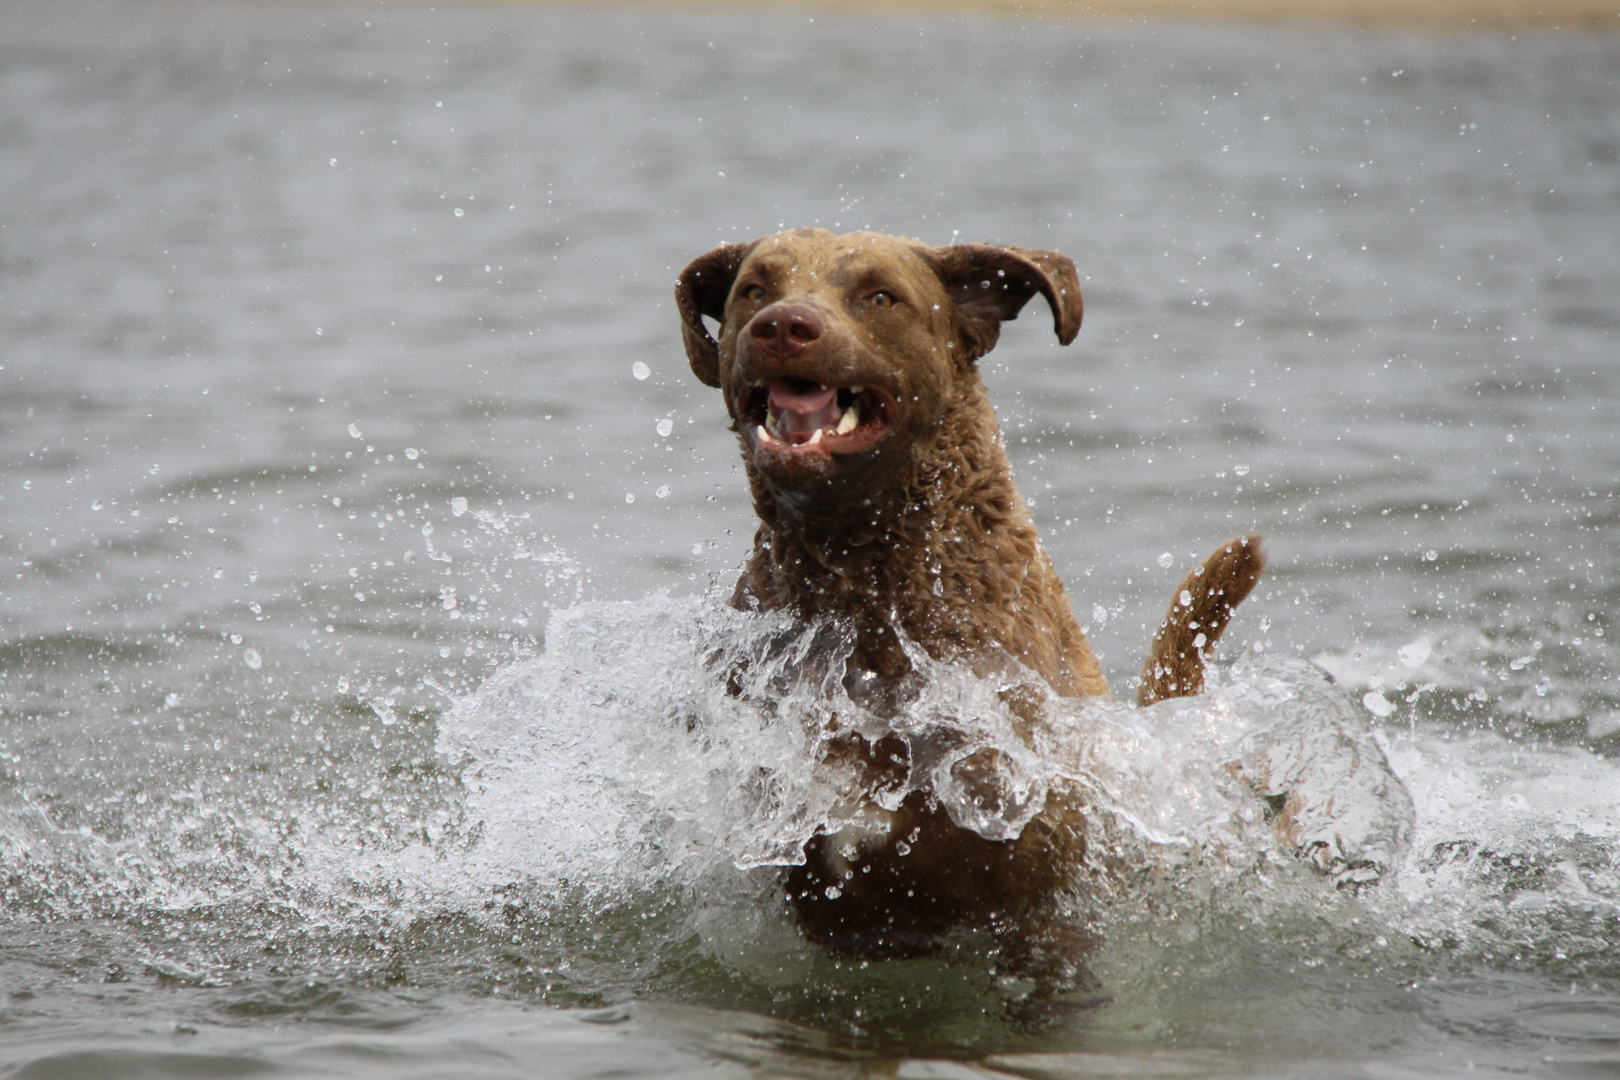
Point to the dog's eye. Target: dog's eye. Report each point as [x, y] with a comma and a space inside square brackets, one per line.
[754, 292]
[882, 299]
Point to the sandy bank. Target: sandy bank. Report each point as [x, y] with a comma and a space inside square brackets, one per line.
[1550, 13]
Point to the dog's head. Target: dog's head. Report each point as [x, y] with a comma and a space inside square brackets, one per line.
[837, 353]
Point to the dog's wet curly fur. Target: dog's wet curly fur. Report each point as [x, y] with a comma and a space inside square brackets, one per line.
[885, 498]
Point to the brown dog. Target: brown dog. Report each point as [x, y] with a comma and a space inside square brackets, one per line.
[885, 499]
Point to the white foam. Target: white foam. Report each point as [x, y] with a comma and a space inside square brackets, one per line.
[619, 755]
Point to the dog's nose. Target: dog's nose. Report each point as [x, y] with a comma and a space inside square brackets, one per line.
[785, 329]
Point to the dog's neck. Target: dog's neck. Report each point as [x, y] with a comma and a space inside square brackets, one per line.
[943, 550]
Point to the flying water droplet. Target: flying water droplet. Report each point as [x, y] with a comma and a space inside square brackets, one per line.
[665, 426]
[252, 659]
[1414, 654]
[354, 431]
[1165, 559]
[1241, 470]
[1377, 704]
[640, 370]
[458, 505]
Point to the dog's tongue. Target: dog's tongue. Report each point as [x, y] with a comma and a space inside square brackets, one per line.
[801, 412]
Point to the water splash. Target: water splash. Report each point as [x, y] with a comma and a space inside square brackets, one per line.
[620, 804]
[1516, 856]
[669, 737]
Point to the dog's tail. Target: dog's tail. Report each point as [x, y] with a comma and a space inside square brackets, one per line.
[1197, 617]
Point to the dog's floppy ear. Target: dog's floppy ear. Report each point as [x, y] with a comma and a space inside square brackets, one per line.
[992, 284]
[702, 290]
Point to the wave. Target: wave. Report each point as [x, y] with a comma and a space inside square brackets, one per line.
[610, 818]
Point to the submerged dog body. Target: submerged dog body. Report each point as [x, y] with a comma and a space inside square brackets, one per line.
[849, 367]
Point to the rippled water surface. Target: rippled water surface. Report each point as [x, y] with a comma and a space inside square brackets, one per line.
[363, 538]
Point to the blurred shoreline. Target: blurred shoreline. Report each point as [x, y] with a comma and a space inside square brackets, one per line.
[1587, 14]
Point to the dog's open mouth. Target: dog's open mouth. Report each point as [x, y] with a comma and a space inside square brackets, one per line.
[800, 418]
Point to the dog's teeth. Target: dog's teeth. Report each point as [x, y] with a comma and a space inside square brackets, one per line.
[764, 436]
[857, 389]
[850, 421]
[815, 436]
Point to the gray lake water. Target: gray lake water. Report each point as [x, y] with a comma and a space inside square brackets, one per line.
[320, 399]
